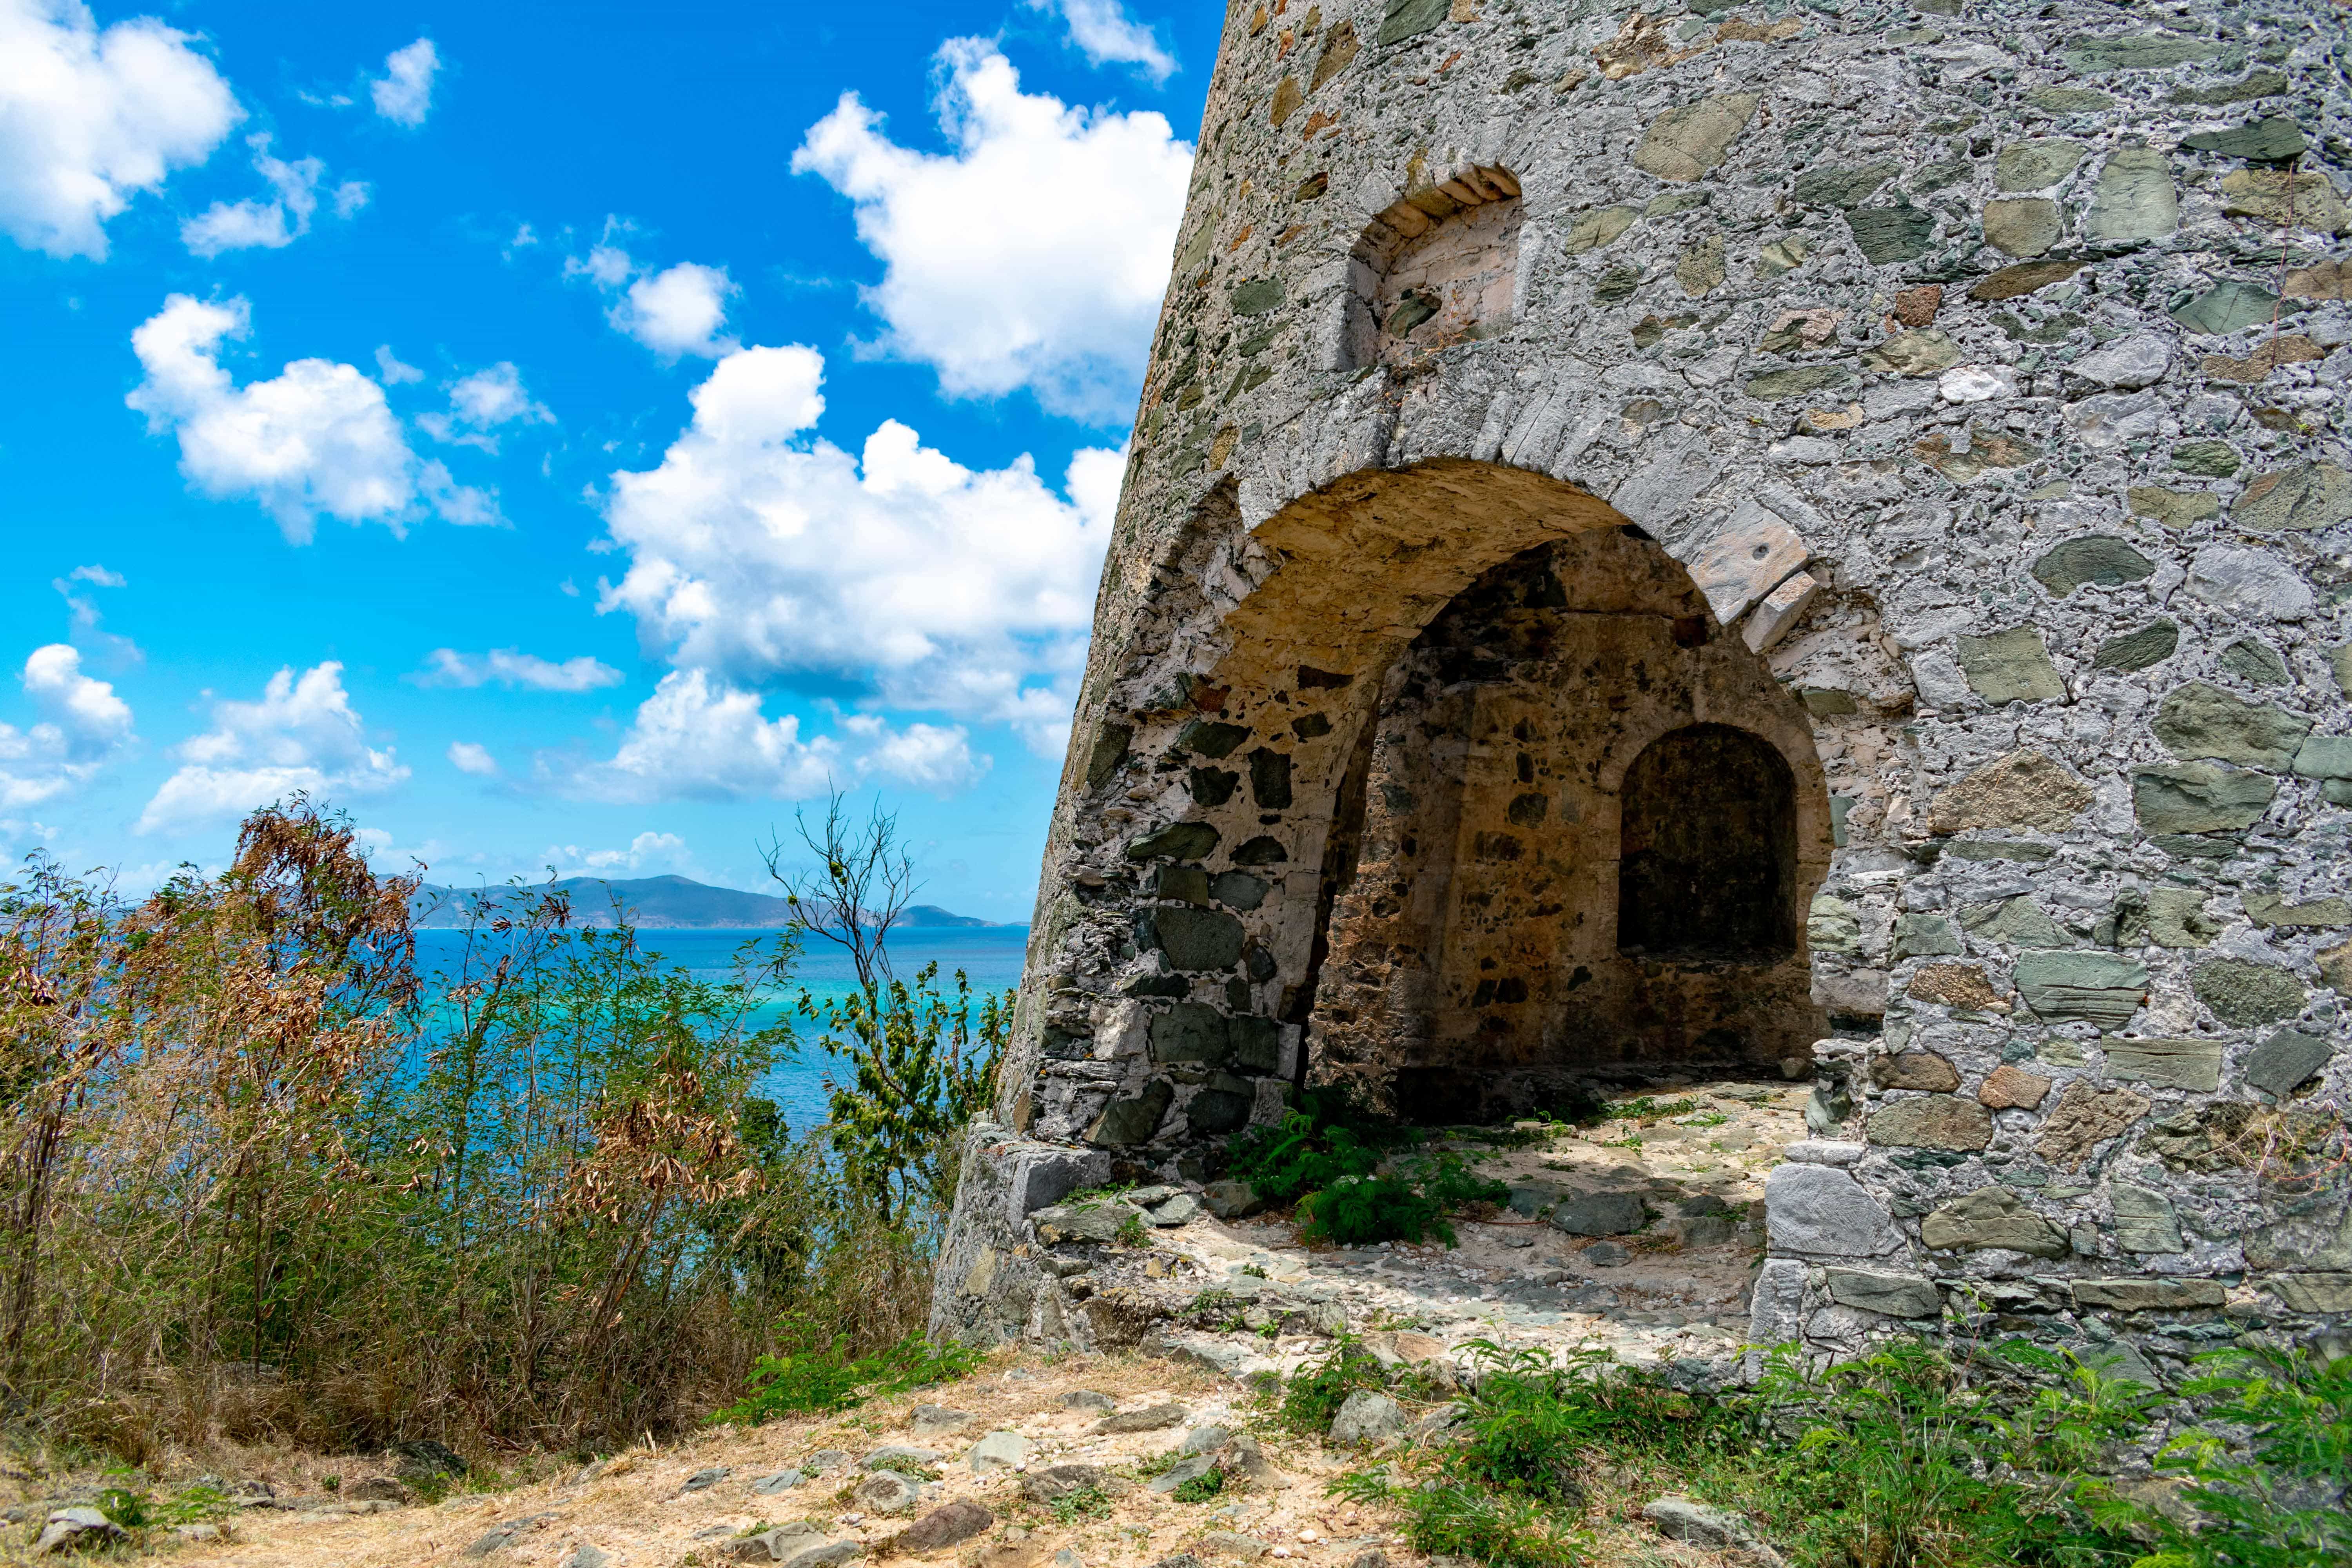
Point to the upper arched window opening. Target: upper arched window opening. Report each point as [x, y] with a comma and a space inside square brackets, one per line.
[1439, 267]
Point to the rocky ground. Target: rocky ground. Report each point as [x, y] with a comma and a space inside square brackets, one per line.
[1638, 1236]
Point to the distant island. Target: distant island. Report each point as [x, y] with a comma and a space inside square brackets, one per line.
[654, 903]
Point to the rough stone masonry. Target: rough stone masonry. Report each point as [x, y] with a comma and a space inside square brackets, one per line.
[1777, 538]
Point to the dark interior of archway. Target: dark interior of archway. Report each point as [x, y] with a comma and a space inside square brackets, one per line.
[1707, 847]
[1474, 956]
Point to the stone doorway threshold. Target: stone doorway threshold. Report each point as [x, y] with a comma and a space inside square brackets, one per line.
[1640, 1236]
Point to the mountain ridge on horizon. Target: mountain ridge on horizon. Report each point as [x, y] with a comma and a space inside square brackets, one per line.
[664, 902]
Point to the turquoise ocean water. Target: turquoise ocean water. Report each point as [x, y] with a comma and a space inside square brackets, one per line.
[990, 955]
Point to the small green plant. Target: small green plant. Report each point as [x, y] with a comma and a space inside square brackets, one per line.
[1131, 1233]
[124, 1507]
[830, 1381]
[1202, 1487]
[194, 1505]
[1087, 1501]
[1308, 1400]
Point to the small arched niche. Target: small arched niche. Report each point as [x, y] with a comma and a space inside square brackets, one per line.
[1706, 863]
[1438, 266]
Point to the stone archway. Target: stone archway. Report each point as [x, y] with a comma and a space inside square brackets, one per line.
[1234, 758]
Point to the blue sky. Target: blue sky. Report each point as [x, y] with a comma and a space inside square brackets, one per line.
[567, 435]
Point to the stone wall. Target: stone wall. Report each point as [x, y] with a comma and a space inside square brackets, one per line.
[1984, 366]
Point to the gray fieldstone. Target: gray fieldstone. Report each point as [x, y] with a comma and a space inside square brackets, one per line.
[2176, 1064]
[2141, 649]
[1890, 233]
[1060, 1481]
[949, 1525]
[1916, 1069]
[2145, 1220]
[2268, 911]
[1366, 1415]
[1685, 144]
[2010, 667]
[999, 1451]
[1230, 1199]
[2097, 558]
[2099, 988]
[781, 1481]
[2253, 663]
[1820, 1211]
[2085, 1117]
[2301, 498]
[2198, 797]
[1599, 1213]
[899, 1457]
[1991, 1218]
[2249, 581]
[2126, 365]
[2201, 722]
[2285, 1062]
[2239, 991]
[1930, 1121]
[1895, 1295]
[2022, 225]
[886, 1491]
[2262, 140]
[1149, 1419]
[2035, 165]
[2135, 200]
[2148, 1295]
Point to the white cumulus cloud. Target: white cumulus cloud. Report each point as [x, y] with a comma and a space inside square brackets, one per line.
[83, 725]
[1033, 255]
[316, 440]
[677, 312]
[303, 734]
[699, 738]
[472, 757]
[511, 668]
[757, 549]
[646, 852]
[1108, 36]
[481, 403]
[278, 222]
[91, 119]
[403, 94]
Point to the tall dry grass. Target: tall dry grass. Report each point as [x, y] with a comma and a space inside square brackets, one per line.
[262, 1181]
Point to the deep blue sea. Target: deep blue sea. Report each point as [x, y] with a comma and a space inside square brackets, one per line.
[990, 955]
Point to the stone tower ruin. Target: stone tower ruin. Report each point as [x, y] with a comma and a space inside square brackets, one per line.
[1778, 539]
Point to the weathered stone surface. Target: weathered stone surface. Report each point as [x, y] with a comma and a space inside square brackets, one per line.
[2249, 581]
[1988, 1218]
[2213, 459]
[2176, 1064]
[2229, 306]
[2137, 52]
[2035, 165]
[2145, 1221]
[1819, 1211]
[999, 1451]
[949, 1525]
[2198, 797]
[2265, 141]
[2145, 1295]
[1681, 1519]
[2252, 662]
[2306, 199]
[887, 1492]
[2325, 757]
[1916, 1069]
[2011, 666]
[2023, 789]
[2299, 499]
[1602, 227]
[2022, 226]
[1928, 352]
[2285, 1062]
[2025, 277]
[1060, 1481]
[2313, 1292]
[2126, 365]
[2198, 721]
[1683, 144]
[1837, 187]
[2268, 911]
[1930, 1121]
[2136, 200]
[2097, 558]
[2239, 991]
[1896, 1295]
[1925, 936]
[1599, 1213]
[2018, 922]
[1180, 840]
[1196, 939]
[1149, 1419]
[2084, 1118]
[1366, 1415]
[1960, 985]
[1890, 233]
[2100, 988]
[1230, 1199]
[2174, 509]
[2010, 1087]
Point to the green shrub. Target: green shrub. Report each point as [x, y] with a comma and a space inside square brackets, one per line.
[1326, 1156]
[2279, 1501]
[831, 1381]
[1310, 1397]
[1208, 1484]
